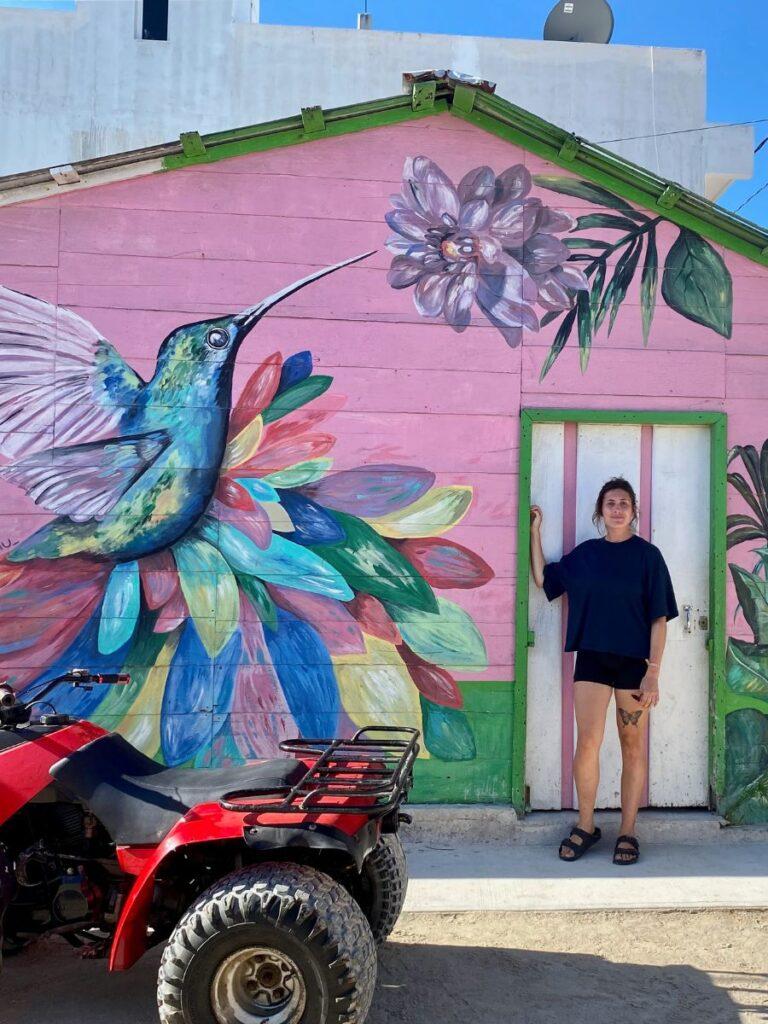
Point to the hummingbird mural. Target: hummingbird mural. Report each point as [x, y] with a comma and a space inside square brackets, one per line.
[210, 550]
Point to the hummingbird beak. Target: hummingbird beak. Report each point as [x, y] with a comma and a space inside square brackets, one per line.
[251, 316]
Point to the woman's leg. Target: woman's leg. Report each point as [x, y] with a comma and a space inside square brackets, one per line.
[590, 701]
[632, 723]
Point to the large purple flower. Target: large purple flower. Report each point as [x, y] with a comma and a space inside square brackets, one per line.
[485, 241]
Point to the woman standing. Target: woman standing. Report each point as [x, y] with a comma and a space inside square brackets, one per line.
[620, 598]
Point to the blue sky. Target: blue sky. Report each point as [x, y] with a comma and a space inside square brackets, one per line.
[733, 34]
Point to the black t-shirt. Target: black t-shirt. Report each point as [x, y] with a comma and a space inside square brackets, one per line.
[615, 590]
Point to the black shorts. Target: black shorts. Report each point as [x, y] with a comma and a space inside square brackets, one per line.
[616, 670]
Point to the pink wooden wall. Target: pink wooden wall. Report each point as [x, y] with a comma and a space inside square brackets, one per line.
[140, 257]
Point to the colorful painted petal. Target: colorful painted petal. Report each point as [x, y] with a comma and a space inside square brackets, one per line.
[449, 638]
[159, 579]
[404, 272]
[243, 445]
[186, 713]
[299, 475]
[304, 420]
[172, 614]
[296, 396]
[459, 299]
[306, 674]
[141, 725]
[257, 488]
[232, 494]
[376, 687]
[255, 524]
[284, 563]
[513, 223]
[338, 629]
[371, 491]
[435, 683]
[295, 368]
[260, 718]
[447, 733]
[479, 183]
[446, 565]
[311, 523]
[120, 607]
[371, 565]
[429, 295]
[374, 618]
[408, 223]
[474, 215]
[257, 393]
[274, 457]
[263, 607]
[514, 183]
[279, 519]
[210, 590]
[434, 513]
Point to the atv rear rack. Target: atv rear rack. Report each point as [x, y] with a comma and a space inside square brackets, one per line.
[366, 774]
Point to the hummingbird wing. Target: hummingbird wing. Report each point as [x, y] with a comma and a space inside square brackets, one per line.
[57, 374]
[85, 481]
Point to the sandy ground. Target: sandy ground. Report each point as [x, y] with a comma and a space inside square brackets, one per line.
[695, 967]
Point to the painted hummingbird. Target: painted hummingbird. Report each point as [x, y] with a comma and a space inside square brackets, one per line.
[149, 482]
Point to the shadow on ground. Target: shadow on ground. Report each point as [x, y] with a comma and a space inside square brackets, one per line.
[418, 984]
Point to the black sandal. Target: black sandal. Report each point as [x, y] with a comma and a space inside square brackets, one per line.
[629, 853]
[588, 840]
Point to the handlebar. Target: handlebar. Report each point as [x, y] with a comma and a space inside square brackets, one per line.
[15, 712]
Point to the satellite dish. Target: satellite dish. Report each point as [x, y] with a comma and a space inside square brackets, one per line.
[580, 21]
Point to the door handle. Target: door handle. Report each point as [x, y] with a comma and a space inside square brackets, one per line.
[687, 618]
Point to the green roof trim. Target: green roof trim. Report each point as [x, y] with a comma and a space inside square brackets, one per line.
[507, 121]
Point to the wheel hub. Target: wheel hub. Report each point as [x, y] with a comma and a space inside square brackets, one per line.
[257, 985]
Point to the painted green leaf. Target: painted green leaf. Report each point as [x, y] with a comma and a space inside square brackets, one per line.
[586, 190]
[553, 314]
[697, 284]
[210, 590]
[447, 733]
[752, 593]
[584, 313]
[447, 637]
[574, 242]
[746, 766]
[745, 533]
[649, 284]
[371, 565]
[616, 291]
[300, 474]
[563, 333]
[746, 668]
[295, 397]
[740, 485]
[257, 594]
[597, 290]
[605, 220]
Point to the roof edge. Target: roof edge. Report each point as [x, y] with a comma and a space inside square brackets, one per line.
[428, 93]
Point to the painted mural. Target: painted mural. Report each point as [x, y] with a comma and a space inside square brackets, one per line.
[746, 722]
[267, 556]
[488, 241]
[210, 550]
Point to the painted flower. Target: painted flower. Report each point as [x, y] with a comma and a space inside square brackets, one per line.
[485, 241]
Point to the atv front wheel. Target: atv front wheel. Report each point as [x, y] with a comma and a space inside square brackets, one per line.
[277, 943]
[382, 885]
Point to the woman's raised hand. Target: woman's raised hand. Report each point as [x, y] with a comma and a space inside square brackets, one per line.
[536, 517]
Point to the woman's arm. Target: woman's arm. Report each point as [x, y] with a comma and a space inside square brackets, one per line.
[649, 688]
[537, 555]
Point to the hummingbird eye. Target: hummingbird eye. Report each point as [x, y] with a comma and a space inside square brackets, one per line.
[217, 338]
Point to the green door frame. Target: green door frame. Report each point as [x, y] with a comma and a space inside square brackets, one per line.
[716, 643]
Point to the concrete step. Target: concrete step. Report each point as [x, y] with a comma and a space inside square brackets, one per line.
[443, 824]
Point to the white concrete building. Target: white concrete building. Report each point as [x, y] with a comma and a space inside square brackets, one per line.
[84, 83]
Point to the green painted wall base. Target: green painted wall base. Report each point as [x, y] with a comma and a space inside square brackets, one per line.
[487, 778]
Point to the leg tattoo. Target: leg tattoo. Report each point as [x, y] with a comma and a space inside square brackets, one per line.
[630, 717]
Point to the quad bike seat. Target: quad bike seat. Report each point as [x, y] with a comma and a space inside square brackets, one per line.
[138, 800]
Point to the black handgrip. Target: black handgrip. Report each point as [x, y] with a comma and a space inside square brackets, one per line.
[110, 678]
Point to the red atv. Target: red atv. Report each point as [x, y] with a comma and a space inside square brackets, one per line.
[270, 883]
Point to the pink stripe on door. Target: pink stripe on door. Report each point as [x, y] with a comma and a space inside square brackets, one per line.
[644, 529]
[570, 443]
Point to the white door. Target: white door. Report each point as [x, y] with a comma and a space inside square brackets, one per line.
[668, 466]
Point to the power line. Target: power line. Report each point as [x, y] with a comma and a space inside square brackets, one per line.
[750, 198]
[686, 131]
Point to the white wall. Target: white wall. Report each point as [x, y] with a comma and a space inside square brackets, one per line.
[80, 84]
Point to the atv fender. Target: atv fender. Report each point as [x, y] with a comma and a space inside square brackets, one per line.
[208, 823]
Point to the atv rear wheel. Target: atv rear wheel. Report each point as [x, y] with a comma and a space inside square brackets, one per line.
[381, 889]
[277, 943]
